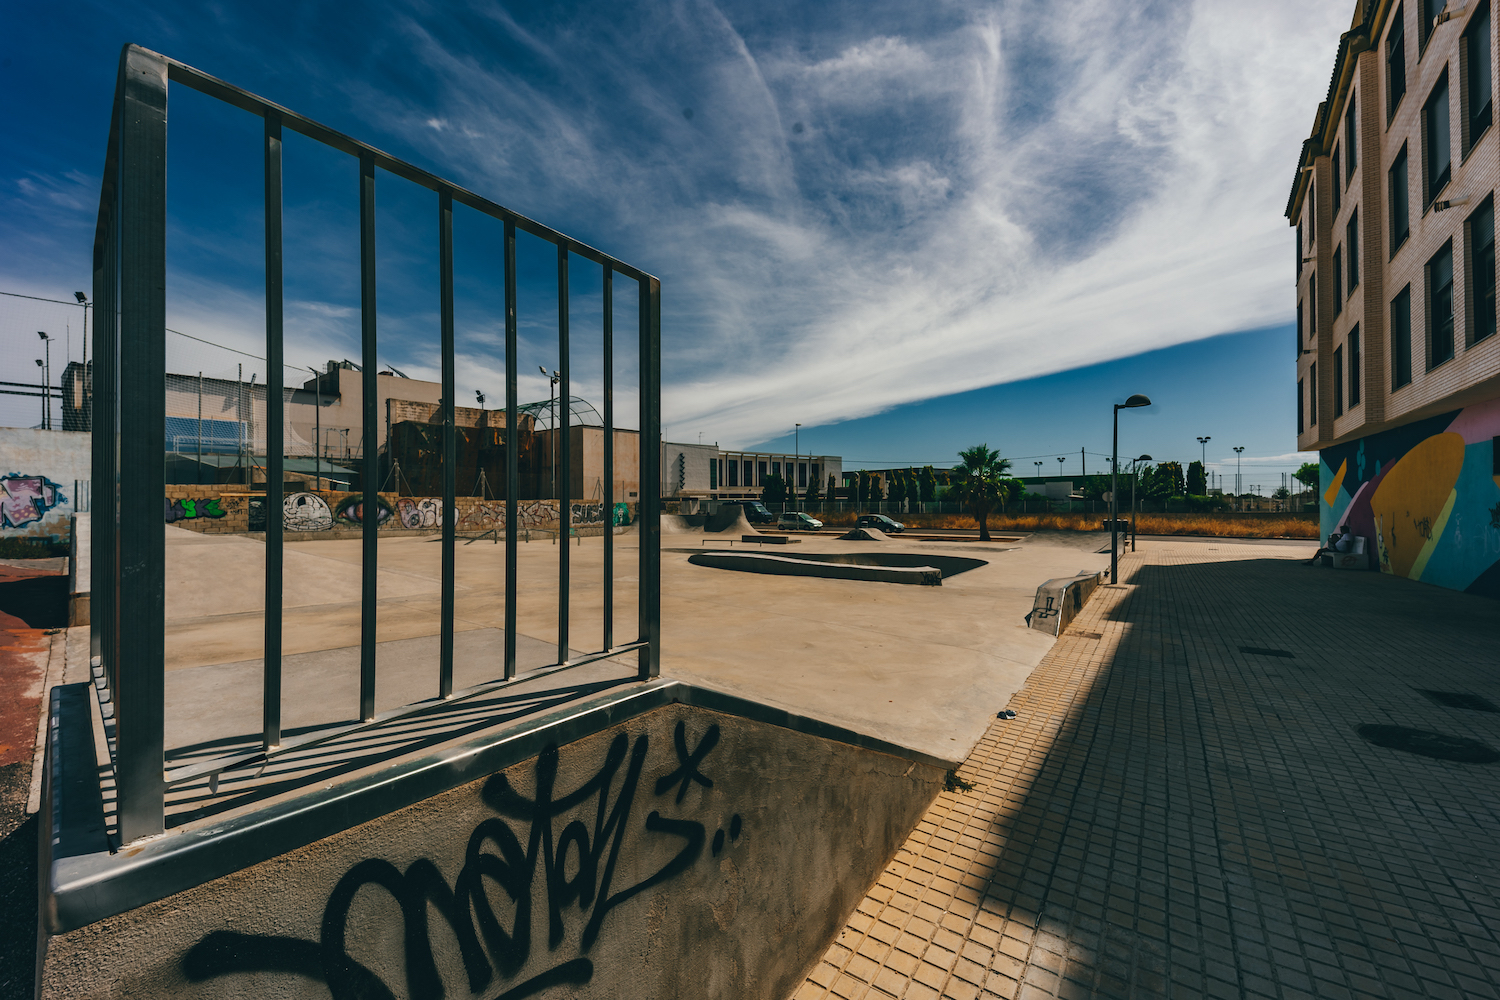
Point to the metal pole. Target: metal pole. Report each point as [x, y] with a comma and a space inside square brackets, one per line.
[563, 449]
[199, 477]
[512, 439]
[1134, 475]
[450, 440]
[609, 457]
[649, 572]
[275, 437]
[1114, 524]
[370, 470]
[47, 378]
[317, 426]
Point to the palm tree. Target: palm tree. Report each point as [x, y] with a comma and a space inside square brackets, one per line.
[977, 482]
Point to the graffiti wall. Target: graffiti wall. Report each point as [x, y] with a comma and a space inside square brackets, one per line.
[1427, 495]
[683, 854]
[37, 482]
[212, 509]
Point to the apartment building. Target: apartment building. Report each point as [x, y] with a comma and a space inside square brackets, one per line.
[1398, 359]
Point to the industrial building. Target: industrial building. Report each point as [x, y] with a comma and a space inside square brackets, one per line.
[1398, 362]
[706, 471]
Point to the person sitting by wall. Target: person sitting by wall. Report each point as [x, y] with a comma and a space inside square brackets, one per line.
[1342, 540]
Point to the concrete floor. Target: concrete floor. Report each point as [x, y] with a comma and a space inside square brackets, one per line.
[926, 667]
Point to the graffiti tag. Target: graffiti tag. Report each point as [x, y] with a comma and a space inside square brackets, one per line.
[351, 509]
[424, 513]
[574, 868]
[188, 509]
[25, 499]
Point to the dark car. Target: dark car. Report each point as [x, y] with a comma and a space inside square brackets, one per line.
[881, 522]
[756, 512]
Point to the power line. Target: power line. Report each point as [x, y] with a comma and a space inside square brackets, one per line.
[38, 298]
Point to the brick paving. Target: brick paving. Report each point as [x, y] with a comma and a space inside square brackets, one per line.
[1170, 816]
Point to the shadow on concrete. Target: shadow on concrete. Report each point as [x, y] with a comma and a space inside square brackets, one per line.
[40, 601]
[1200, 804]
[330, 761]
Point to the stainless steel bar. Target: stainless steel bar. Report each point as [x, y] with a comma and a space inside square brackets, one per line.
[512, 443]
[230, 94]
[564, 448]
[649, 517]
[140, 581]
[450, 435]
[609, 457]
[370, 466]
[275, 413]
[188, 772]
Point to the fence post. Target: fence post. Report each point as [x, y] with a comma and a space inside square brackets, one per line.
[139, 384]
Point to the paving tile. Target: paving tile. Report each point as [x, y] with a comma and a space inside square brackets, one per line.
[1170, 816]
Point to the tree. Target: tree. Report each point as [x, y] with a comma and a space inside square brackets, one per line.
[898, 486]
[862, 489]
[833, 489]
[1307, 475]
[929, 485]
[774, 490]
[978, 482]
[1171, 479]
[810, 495]
[1197, 480]
[876, 493]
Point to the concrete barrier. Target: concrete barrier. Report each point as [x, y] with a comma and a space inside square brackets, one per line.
[1058, 601]
[760, 562]
[683, 852]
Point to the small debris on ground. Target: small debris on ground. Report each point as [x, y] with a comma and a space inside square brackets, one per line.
[1005, 713]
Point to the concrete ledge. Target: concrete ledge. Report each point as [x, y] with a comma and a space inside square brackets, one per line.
[80, 888]
[759, 562]
[1059, 601]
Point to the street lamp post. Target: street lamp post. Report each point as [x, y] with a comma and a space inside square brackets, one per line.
[1114, 486]
[796, 463]
[46, 367]
[1237, 476]
[1135, 466]
[317, 426]
[1203, 459]
[553, 378]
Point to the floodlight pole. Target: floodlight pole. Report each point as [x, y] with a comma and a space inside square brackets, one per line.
[318, 427]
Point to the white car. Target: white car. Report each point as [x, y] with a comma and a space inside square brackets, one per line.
[798, 521]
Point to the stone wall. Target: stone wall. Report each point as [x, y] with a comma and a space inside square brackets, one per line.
[684, 853]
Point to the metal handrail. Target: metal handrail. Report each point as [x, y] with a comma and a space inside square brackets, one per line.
[130, 418]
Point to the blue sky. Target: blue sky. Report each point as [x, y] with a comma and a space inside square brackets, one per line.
[880, 219]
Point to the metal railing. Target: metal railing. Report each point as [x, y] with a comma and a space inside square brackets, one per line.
[128, 548]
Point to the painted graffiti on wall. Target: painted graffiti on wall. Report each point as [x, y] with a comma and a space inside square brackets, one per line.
[555, 876]
[350, 509]
[1424, 495]
[189, 509]
[420, 513]
[27, 499]
[306, 512]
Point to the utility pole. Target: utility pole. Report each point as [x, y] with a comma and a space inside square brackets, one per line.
[1237, 489]
[1083, 463]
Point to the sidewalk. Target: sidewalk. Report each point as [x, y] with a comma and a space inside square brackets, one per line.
[1170, 815]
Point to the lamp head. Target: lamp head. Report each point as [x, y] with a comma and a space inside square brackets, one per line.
[42, 335]
[39, 363]
[1144, 458]
[543, 369]
[1137, 400]
[82, 298]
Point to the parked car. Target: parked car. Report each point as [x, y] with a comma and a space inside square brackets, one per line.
[798, 521]
[756, 512]
[881, 522]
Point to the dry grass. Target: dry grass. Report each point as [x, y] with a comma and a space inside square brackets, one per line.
[1146, 524]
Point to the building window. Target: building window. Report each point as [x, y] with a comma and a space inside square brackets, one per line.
[1401, 339]
[1299, 328]
[1482, 271]
[713, 473]
[734, 473]
[1355, 374]
[1395, 63]
[816, 468]
[1338, 281]
[1338, 188]
[1351, 143]
[1351, 240]
[761, 477]
[1312, 306]
[801, 474]
[1430, 10]
[1299, 250]
[1400, 202]
[1437, 159]
[749, 472]
[1312, 394]
[1478, 102]
[1338, 381]
[1300, 414]
[1440, 307]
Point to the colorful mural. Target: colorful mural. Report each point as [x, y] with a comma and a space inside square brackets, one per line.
[1427, 495]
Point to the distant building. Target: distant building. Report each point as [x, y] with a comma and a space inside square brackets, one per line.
[1397, 357]
[710, 472]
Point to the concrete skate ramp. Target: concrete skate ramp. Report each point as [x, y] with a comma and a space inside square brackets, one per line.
[729, 519]
[876, 567]
[865, 535]
[678, 524]
[681, 850]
